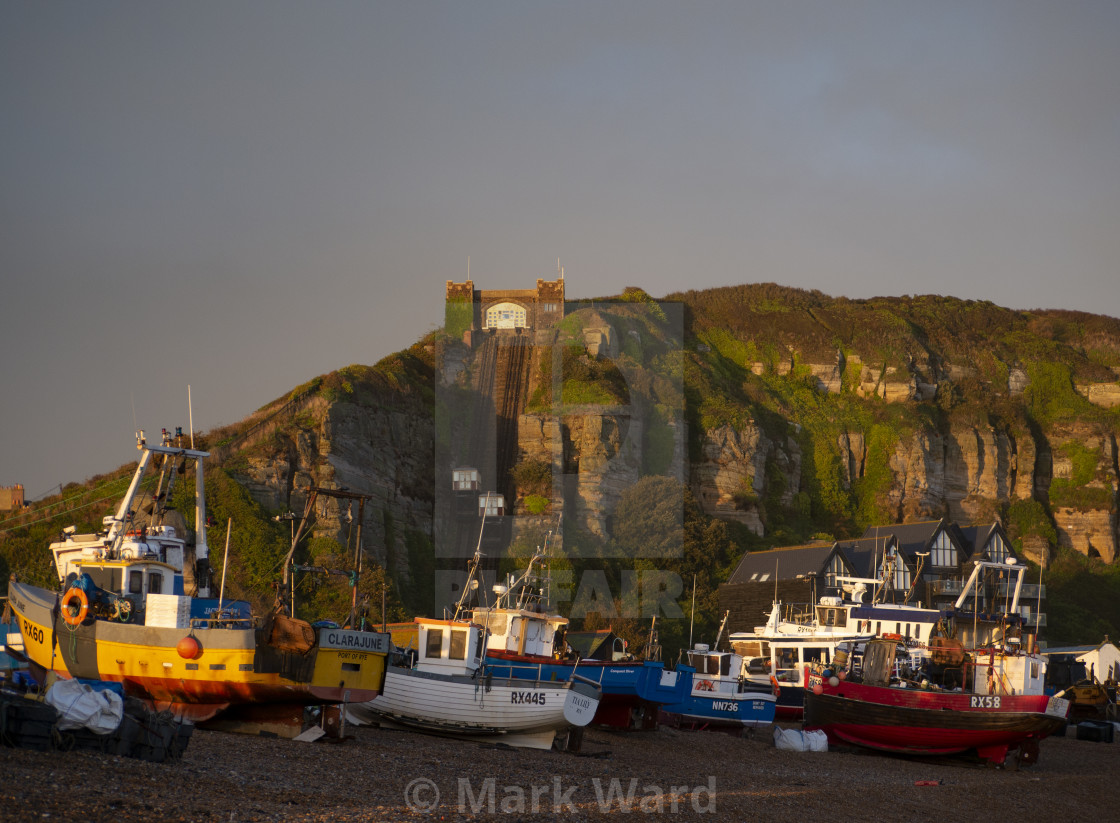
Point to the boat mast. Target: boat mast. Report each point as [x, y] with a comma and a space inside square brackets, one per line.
[722, 626]
[692, 616]
[201, 550]
[475, 561]
[117, 529]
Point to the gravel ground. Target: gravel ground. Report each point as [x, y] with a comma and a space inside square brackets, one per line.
[228, 777]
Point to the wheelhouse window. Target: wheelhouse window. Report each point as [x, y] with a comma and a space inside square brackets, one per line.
[434, 644]
[458, 645]
[136, 582]
[704, 663]
[155, 583]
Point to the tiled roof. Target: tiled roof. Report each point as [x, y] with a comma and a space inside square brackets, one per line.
[865, 554]
[912, 537]
[790, 562]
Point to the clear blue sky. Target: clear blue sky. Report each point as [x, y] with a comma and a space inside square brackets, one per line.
[241, 195]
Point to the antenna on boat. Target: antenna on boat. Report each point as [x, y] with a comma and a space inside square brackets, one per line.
[190, 413]
[722, 626]
[475, 561]
[1038, 608]
[225, 565]
[692, 616]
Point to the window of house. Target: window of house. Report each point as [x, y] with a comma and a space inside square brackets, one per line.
[901, 572]
[435, 643]
[835, 569]
[997, 549]
[944, 553]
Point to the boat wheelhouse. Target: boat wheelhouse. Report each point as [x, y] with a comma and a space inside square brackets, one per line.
[447, 685]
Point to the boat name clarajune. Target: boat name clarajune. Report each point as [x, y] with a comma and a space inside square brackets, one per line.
[347, 639]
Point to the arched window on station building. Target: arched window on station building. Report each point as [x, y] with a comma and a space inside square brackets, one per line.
[506, 316]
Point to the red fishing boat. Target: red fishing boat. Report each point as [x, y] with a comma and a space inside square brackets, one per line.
[990, 701]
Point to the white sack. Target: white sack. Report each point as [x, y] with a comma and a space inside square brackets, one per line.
[81, 705]
[798, 741]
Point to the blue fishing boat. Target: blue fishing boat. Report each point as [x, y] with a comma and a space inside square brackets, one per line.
[633, 691]
[720, 697]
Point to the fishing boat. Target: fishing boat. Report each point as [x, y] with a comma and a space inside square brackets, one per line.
[633, 691]
[450, 688]
[124, 615]
[990, 701]
[720, 697]
[795, 636]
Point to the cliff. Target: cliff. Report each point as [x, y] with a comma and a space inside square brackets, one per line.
[787, 414]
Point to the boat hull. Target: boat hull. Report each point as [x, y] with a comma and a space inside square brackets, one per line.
[514, 711]
[230, 668]
[632, 691]
[916, 722]
[706, 710]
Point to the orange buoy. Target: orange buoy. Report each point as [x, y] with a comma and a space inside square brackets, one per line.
[75, 616]
[818, 689]
[188, 648]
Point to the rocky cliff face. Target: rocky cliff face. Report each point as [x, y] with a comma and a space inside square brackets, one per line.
[384, 451]
[949, 457]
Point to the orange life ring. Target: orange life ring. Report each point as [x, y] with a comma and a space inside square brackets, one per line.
[705, 686]
[892, 636]
[75, 618]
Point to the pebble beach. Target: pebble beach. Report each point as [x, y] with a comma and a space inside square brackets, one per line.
[380, 774]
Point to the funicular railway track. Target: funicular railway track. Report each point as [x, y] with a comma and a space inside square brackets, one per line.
[500, 385]
[512, 377]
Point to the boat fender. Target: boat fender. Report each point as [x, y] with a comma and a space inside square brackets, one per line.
[75, 616]
[189, 648]
[774, 687]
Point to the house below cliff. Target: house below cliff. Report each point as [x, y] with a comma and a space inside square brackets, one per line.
[923, 563]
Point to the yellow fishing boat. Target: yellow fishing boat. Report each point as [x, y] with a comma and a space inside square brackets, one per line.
[123, 615]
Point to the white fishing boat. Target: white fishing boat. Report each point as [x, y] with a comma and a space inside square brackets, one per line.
[796, 636]
[449, 688]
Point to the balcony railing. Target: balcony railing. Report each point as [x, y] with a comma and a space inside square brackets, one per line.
[1028, 591]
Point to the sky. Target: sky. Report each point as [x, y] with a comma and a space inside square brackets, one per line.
[239, 196]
